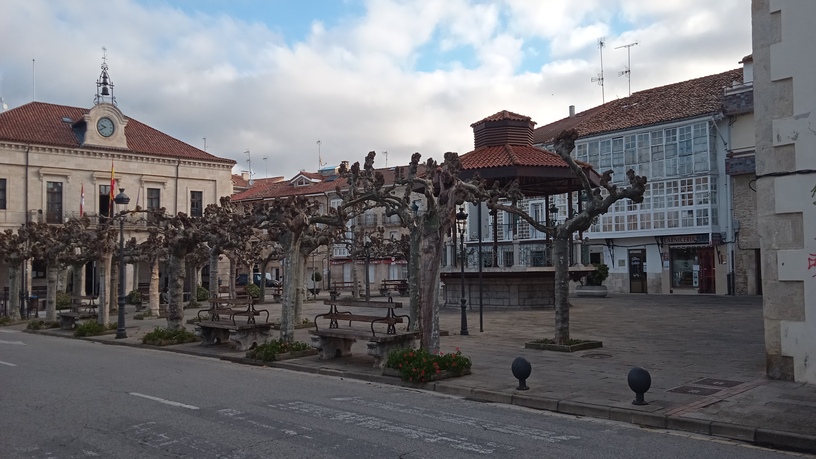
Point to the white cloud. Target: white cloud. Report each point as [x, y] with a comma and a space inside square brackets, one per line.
[354, 85]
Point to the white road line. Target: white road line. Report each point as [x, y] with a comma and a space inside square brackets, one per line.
[9, 331]
[166, 402]
[18, 343]
[6, 363]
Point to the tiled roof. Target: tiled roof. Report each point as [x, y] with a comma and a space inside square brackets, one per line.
[269, 190]
[688, 99]
[503, 115]
[41, 123]
[239, 182]
[510, 155]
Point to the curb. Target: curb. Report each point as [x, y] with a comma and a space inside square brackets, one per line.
[759, 436]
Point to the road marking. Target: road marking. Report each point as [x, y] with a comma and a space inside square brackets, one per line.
[6, 363]
[18, 343]
[410, 431]
[509, 429]
[166, 402]
[8, 331]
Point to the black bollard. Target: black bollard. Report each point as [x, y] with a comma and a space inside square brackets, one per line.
[521, 370]
[639, 381]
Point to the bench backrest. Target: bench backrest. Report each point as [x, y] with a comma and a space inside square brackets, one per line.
[363, 304]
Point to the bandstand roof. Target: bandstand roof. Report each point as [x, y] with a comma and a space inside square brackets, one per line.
[504, 152]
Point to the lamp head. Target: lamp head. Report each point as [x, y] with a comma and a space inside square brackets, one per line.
[121, 198]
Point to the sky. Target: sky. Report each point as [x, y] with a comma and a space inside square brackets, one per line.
[276, 85]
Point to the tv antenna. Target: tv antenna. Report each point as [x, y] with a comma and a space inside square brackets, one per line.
[600, 78]
[628, 70]
[3, 104]
[385, 153]
[249, 161]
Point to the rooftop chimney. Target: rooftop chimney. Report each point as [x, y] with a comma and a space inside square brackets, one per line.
[245, 175]
[572, 111]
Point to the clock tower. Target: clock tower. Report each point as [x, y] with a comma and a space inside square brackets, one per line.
[105, 123]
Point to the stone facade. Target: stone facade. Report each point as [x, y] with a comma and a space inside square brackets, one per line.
[528, 290]
[785, 104]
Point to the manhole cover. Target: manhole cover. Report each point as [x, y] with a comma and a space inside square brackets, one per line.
[694, 390]
[597, 356]
[717, 382]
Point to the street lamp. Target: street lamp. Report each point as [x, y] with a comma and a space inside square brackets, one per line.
[367, 247]
[121, 199]
[553, 214]
[461, 223]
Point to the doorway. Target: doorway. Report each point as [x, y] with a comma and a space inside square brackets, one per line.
[707, 269]
[637, 271]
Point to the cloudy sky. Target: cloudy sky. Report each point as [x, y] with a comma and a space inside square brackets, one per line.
[274, 77]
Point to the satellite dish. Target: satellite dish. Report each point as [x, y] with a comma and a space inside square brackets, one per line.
[3, 103]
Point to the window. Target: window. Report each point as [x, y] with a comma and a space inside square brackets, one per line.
[153, 203]
[196, 203]
[104, 200]
[606, 154]
[153, 199]
[2, 194]
[672, 219]
[53, 204]
[38, 269]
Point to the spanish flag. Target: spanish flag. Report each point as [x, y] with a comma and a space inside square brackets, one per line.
[82, 200]
[112, 187]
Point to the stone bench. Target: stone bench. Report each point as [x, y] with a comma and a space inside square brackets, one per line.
[243, 336]
[333, 343]
[68, 320]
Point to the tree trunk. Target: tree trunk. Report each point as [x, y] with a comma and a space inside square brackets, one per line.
[14, 291]
[113, 281]
[413, 280]
[232, 278]
[294, 267]
[297, 311]
[51, 294]
[561, 260]
[355, 292]
[177, 275]
[214, 284]
[153, 290]
[431, 253]
[264, 265]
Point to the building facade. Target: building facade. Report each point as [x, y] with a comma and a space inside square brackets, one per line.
[681, 238]
[785, 111]
[59, 162]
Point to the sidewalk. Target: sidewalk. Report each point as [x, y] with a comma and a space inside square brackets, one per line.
[705, 355]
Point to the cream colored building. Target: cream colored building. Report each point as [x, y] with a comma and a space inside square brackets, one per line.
[55, 157]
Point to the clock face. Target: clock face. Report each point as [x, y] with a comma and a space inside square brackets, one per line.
[105, 127]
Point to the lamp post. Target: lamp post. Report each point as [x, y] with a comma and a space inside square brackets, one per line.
[121, 199]
[461, 222]
[367, 247]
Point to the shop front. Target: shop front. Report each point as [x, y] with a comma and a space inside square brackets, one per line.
[692, 263]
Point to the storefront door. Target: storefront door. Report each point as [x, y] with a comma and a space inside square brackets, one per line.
[706, 270]
[637, 271]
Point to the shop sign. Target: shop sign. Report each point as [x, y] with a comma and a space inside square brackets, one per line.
[687, 239]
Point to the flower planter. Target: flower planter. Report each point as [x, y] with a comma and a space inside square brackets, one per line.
[590, 291]
[286, 356]
[563, 347]
[435, 377]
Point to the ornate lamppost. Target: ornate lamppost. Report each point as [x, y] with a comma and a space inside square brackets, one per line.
[367, 247]
[121, 199]
[461, 223]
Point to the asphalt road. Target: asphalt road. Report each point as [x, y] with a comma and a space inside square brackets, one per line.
[64, 398]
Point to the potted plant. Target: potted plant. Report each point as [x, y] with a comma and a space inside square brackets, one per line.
[592, 284]
[316, 277]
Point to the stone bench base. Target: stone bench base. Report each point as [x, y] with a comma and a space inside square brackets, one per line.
[335, 343]
[242, 337]
[68, 320]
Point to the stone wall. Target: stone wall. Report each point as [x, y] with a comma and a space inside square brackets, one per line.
[500, 293]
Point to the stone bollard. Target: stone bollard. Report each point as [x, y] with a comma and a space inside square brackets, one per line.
[639, 381]
[521, 370]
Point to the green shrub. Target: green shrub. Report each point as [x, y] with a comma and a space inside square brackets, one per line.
[598, 276]
[419, 365]
[91, 328]
[202, 294]
[134, 297]
[167, 336]
[316, 276]
[63, 300]
[253, 290]
[269, 350]
[38, 324]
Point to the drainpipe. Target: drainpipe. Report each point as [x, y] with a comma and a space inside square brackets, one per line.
[327, 284]
[178, 165]
[24, 275]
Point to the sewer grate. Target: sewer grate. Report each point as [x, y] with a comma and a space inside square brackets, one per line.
[694, 390]
[717, 382]
[597, 356]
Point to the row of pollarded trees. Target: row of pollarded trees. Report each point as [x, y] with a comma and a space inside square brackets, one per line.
[292, 228]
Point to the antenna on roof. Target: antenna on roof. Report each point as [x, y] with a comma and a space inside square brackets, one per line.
[33, 81]
[266, 167]
[385, 153]
[600, 78]
[249, 161]
[205, 143]
[320, 162]
[628, 70]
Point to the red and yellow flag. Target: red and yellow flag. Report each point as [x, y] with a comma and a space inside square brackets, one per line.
[82, 199]
[112, 187]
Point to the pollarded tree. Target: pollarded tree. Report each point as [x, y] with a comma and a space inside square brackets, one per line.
[183, 236]
[15, 249]
[597, 204]
[225, 227]
[152, 251]
[300, 227]
[441, 192]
